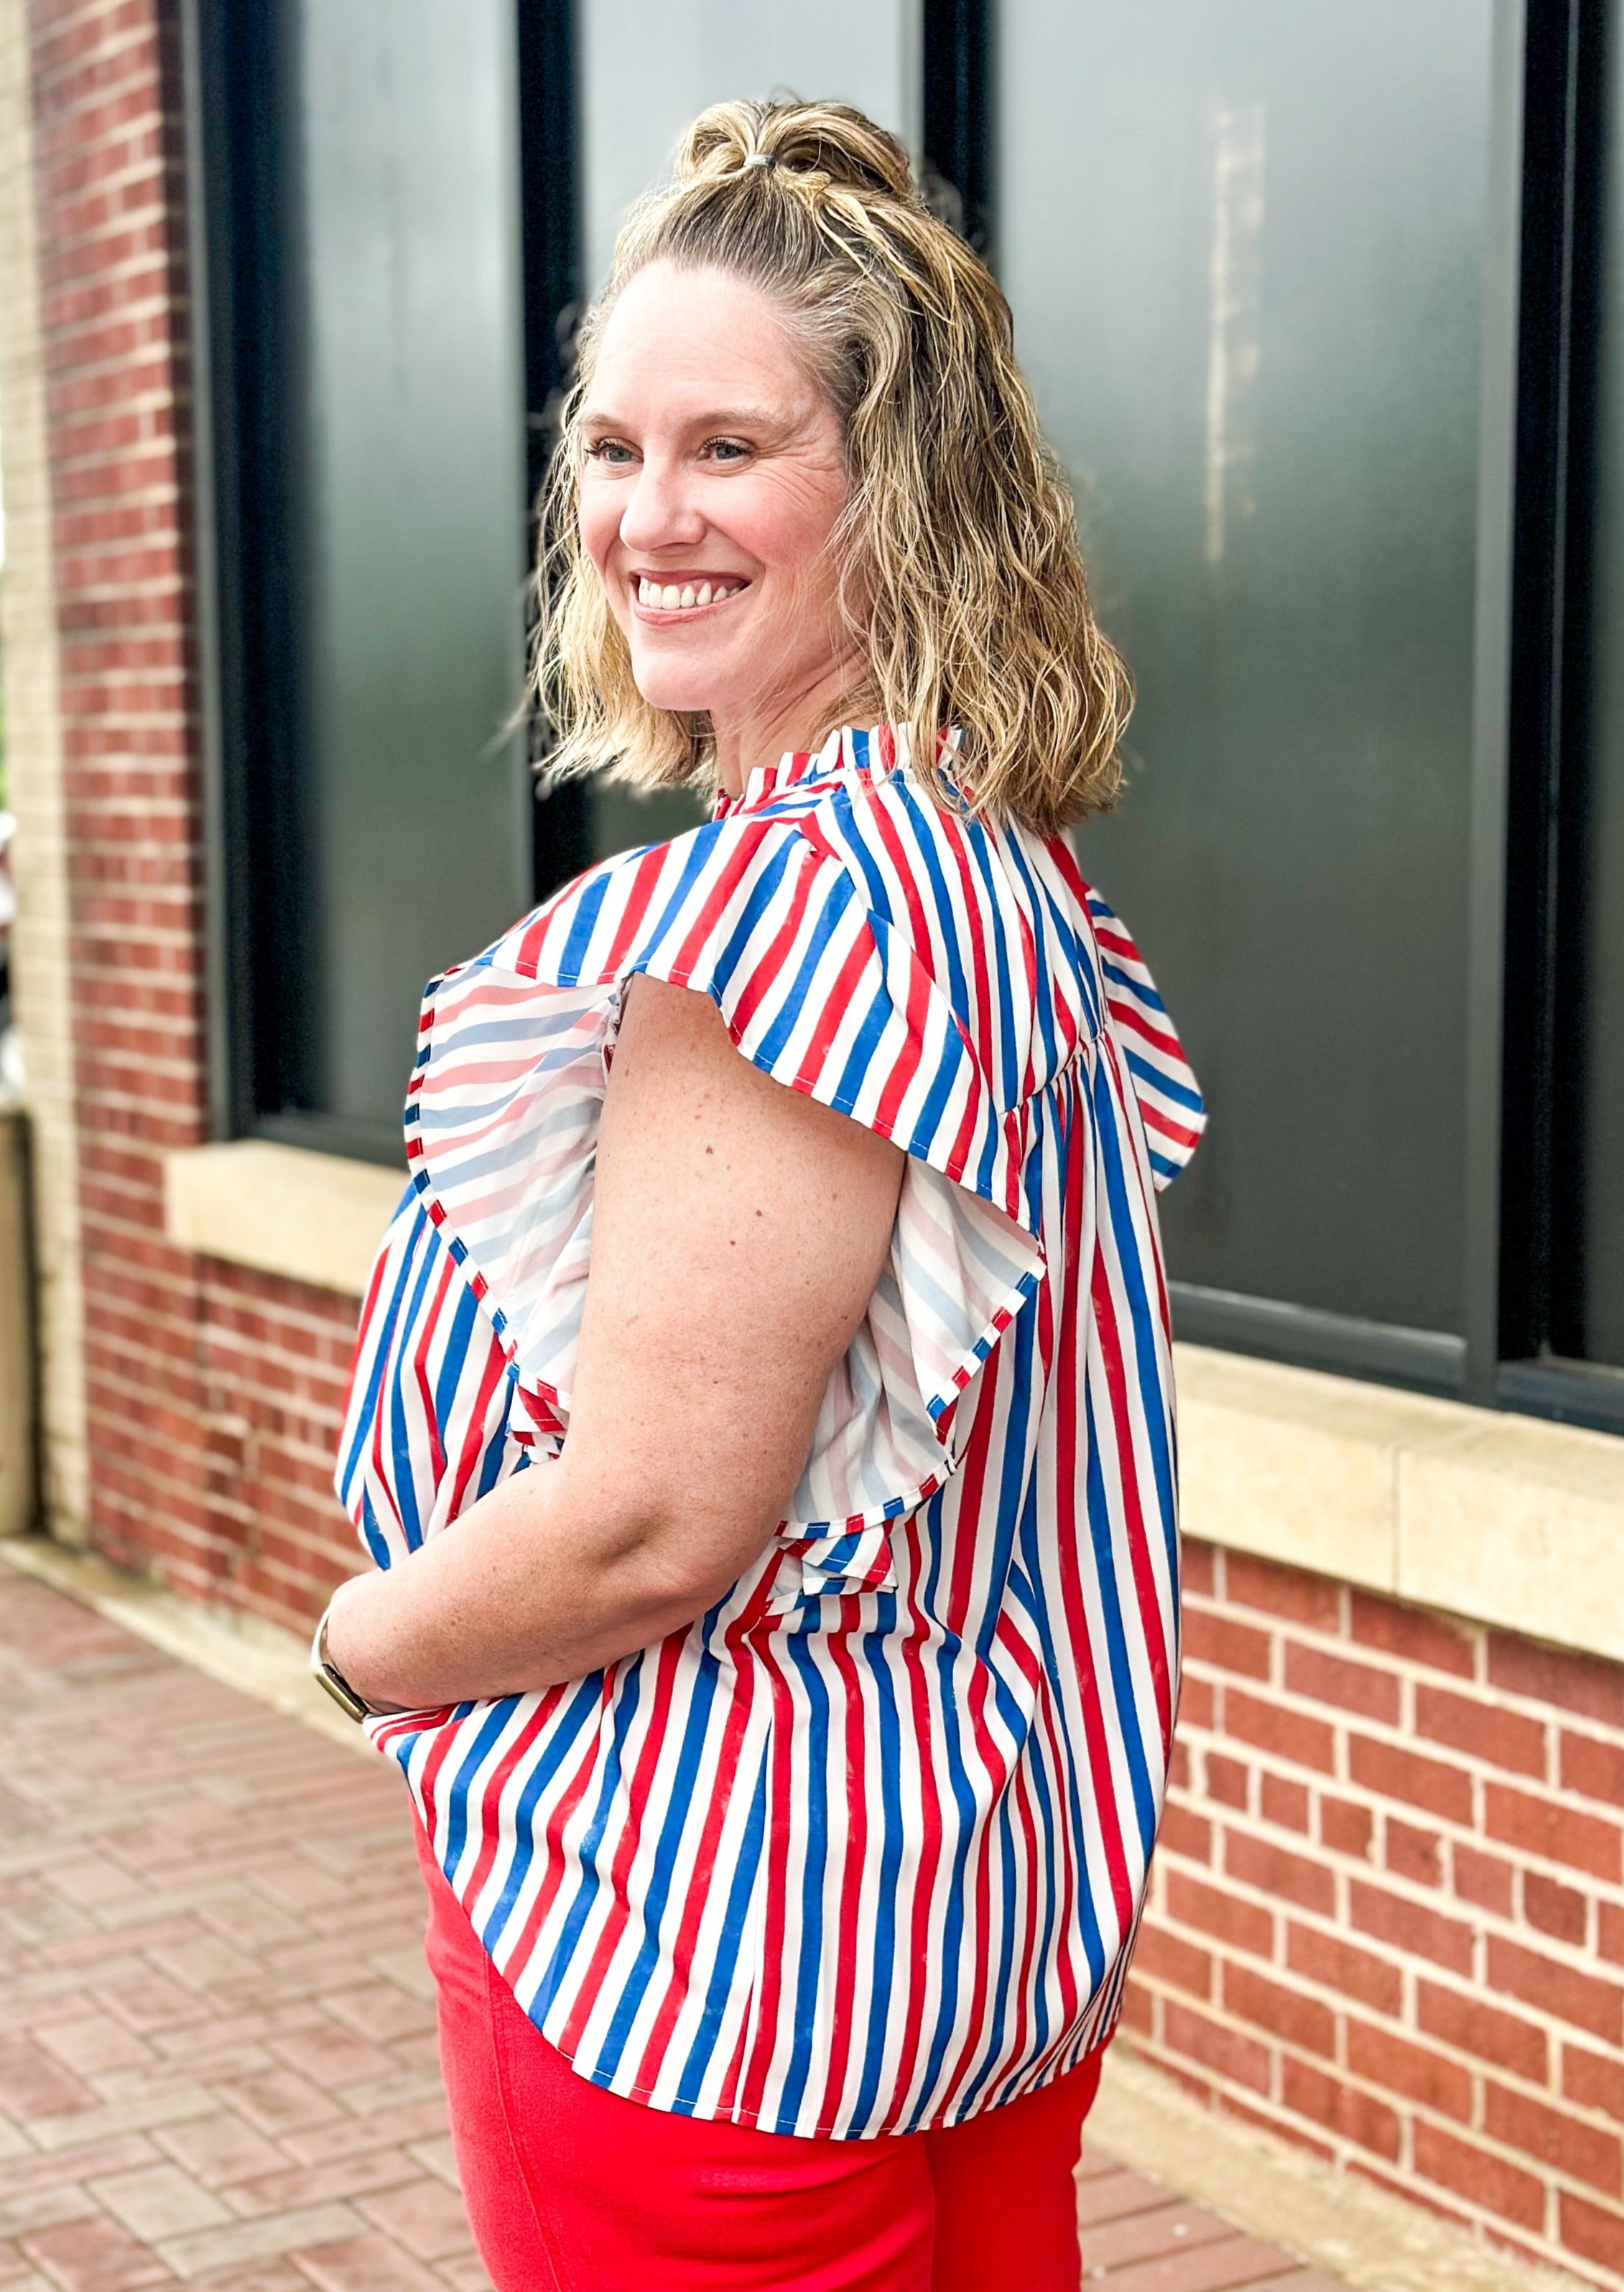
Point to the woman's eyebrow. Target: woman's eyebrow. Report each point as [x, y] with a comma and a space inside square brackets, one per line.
[723, 417]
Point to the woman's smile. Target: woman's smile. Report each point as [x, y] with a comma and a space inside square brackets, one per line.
[662, 597]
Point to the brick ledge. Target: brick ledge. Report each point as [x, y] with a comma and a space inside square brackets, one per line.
[281, 1209]
[1497, 1519]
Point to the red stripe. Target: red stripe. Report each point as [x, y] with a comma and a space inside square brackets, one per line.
[740, 858]
[1071, 1537]
[841, 989]
[1129, 1016]
[492, 1370]
[914, 1972]
[1151, 1618]
[776, 1946]
[765, 976]
[645, 877]
[547, 1852]
[905, 1066]
[849, 1924]
[470, 1889]
[429, 1319]
[878, 812]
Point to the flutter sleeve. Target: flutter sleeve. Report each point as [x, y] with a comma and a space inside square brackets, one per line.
[828, 999]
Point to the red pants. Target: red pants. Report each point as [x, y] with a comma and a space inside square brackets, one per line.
[570, 2188]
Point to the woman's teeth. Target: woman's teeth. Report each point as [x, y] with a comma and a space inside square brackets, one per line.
[667, 597]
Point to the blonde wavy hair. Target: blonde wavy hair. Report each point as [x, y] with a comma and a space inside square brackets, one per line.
[960, 580]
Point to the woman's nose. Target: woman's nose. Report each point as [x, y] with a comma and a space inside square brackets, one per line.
[660, 514]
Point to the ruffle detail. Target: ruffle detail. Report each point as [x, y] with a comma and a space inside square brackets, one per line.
[827, 998]
[1166, 1089]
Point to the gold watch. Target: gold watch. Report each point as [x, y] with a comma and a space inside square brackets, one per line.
[353, 1706]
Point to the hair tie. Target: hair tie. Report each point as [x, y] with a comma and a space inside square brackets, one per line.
[756, 160]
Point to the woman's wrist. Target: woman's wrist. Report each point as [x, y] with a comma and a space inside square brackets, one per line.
[345, 1654]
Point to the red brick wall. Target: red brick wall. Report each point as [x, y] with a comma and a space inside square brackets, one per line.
[1388, 1908]
[211, 1394]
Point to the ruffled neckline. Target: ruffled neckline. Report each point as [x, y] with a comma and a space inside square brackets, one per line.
[873, 755]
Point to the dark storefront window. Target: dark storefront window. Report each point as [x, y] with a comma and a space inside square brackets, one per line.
[1245, 256]
[361, 163]
[1324, 310]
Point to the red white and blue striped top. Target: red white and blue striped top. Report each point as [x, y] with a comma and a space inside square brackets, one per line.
[863, 1849]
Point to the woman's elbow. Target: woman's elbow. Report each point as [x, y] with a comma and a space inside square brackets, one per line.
[677, 1551]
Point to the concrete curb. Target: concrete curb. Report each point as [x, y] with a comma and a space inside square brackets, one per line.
[257, 1657]
[1333, 2221]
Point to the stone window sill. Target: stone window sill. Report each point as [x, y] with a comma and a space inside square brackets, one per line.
[281, 1209]
[1500, 1519]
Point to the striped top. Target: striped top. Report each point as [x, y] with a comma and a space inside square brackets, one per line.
[863, 1849]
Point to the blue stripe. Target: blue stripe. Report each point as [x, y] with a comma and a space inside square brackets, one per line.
[400, 1403]
[926, 836]
[1043, 993]
[701, 844]
[1007, 1081]
[1153, 1412]
[566, 1725]
[1101, 1524]
[1160, 1080]
[1139, 989]
[771, 1047]
[486, 1736]
[875, 1645]
[758, 896]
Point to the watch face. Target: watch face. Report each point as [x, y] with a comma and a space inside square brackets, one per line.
[339, 1688]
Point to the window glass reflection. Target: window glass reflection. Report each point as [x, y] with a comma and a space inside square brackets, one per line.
[1244, 240]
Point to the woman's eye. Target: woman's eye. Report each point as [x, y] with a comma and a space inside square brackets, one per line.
[728, 450]
[609, 450]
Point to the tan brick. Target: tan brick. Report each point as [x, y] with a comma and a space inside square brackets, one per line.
[93, 2046]
[219, 2149]
[423, 2216]
[94, 2256]
[208, 2250]
[158, 2201]
[367, 2263]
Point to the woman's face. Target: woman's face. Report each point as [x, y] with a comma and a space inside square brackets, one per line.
[713, 477]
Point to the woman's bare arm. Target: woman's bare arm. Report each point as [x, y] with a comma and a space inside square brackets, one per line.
[739, 1230]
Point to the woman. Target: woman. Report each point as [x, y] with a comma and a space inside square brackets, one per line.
[787, 1742]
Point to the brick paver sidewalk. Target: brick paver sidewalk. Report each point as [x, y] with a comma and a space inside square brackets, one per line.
[216, 2041]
